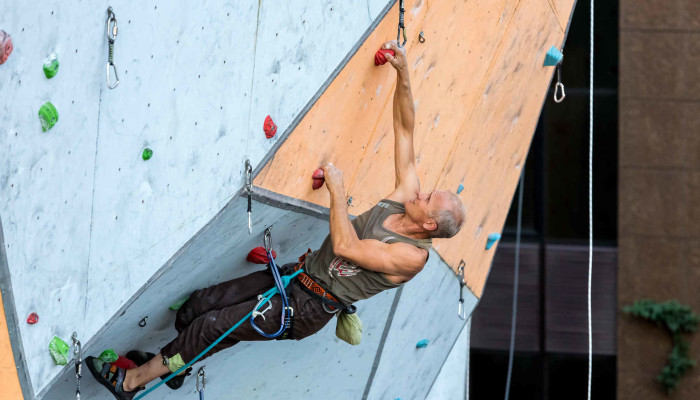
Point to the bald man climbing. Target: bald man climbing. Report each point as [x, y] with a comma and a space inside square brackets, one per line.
[381, 249]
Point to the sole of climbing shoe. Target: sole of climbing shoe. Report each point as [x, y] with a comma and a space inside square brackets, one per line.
[142, 357]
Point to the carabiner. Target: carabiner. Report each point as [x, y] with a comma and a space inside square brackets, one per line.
[267, 239]
[261, 300]
[111, 25]
[116, 76]
[78, 355]
[201, 382]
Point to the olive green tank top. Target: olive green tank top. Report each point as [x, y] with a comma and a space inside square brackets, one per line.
[350, 282]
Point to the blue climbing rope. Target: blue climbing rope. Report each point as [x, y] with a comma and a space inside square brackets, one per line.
[284, 280]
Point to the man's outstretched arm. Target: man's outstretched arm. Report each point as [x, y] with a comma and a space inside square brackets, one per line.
[407, 183]
[398, 259]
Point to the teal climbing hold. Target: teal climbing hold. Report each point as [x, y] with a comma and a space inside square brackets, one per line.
[59, 351]
[553, 57]
[51, 66]
[48, 116]
[147, 154]
[460, 188]
[422, 344]
[176, 306]
[493, 238]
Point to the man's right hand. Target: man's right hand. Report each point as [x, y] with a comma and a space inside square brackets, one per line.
[333, 177]
[398, 60]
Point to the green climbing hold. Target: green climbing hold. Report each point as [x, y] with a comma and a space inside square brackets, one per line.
[51, 66]
[48, 116]
[147, 154]
[59, 351]
[109, 356]
[176, 306]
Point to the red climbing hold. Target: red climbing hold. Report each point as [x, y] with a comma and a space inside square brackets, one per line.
[32, 319]
[5, 46]
[380, 57]
[125, 363]
[259, 256]
[270, 128]
[318, 179]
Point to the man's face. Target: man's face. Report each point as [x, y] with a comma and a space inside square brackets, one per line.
[424, 204]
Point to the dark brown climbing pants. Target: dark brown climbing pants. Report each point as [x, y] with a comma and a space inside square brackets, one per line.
[210, 312]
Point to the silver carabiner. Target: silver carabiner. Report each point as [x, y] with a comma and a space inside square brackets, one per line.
[261, 300]
[111, 25]
[201, 382]
[558, 86]
[116, 76]
[267, 239]
[461, 312]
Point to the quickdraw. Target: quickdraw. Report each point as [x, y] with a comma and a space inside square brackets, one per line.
[249, 189]
[402, 27]
[201, 383]
[559, 86]
[461, 312]
[78, 356]
[287, 313]
[111, 36]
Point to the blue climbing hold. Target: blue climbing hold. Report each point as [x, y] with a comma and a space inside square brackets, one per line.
[493, 238]
[422, 344]
[460, 188]
[553, 57]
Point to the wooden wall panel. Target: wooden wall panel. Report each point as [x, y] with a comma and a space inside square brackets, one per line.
[9, 382]
[478, 83]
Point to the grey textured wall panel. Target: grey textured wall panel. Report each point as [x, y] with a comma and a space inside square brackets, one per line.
[85, 217]
[450, 383]
[427, 309]
[250, 370]
[46, 178]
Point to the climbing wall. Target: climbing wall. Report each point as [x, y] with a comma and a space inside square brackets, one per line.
[108, 238]
[478, 86]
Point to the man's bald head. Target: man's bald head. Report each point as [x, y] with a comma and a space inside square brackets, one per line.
[449, 215]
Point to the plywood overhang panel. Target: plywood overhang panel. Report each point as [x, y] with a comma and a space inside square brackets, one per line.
[497, 137]
[480, 71]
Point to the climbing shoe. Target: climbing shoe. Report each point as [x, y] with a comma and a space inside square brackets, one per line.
[110, 377]
[142, 357]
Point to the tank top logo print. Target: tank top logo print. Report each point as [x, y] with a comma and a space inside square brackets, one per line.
[343, 268]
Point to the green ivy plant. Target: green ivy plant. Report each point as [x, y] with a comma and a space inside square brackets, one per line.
[678, 319]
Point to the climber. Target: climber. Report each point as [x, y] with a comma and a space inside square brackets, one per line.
[381, 249]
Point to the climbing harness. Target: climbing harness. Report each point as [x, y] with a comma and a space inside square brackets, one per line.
[78, 356]
[329, 301]
[559, 86]
[273, 291]
[111, 36]
[402, 27]
[249, 189]
[516, 279]
[461, 312]
[287, 313]
[201, 383]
